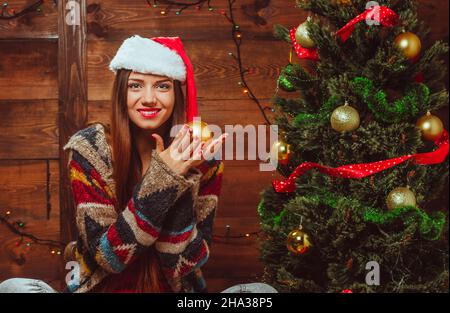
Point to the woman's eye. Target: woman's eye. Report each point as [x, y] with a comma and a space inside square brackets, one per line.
[164, 86]
[134, 85]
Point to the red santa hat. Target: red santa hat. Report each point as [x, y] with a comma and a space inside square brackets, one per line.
[163, 56]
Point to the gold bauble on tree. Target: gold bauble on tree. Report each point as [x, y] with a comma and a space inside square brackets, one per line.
[302, 35]
[400, 197]
[409, 44]
[280, 151]
[431, 126]
[201, 130]
[298, 242]
[345, 118]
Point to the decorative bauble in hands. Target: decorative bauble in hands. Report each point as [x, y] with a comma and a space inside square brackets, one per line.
[201, 130]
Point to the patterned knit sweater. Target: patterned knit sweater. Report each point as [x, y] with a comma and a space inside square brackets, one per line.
[174, 213]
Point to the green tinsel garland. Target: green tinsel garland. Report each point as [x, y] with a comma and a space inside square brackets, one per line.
[430, 228]
[416, 99]
[322, 116]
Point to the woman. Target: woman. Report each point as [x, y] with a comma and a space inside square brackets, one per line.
[145, 204]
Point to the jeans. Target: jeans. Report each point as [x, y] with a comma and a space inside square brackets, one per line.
[25, 285]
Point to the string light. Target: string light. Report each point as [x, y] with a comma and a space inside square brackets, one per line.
[7, 14]
[16, 228]
[180, 5]
[239, 236]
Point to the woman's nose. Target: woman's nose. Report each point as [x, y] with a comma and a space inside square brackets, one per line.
[149, 96]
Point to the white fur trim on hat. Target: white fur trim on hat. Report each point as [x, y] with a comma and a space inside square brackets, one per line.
[149, 57]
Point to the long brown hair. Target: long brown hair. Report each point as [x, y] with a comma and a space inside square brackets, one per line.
[127, 169]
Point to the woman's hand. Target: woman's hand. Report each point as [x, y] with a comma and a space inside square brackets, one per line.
[186, 152]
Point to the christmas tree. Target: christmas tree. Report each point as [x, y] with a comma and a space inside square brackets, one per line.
[363, 156]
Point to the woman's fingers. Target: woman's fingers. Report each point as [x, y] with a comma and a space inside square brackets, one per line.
[213, 147]
[159, 143]
[188, 152]
[180, 135]
[185, 141]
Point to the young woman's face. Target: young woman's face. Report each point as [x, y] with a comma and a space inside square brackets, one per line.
[150, 100]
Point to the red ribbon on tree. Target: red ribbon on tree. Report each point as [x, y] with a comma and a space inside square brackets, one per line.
[302, 53]
[382, 14]
[365, 169]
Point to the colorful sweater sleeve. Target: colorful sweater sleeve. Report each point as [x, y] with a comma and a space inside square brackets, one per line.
[183, 245]
[114, 239]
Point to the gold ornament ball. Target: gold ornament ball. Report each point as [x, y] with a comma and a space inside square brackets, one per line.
[201, 130]
[302, 36]
[400, 197]
[431, 126]
[345, 118]
[281, 151]
[409, 44]
[298, 242]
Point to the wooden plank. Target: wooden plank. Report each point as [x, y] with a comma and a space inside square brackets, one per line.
[434, 14]
[216, 73]
[241, 189]
[29, 70]
[42, 24]
[116, 20]
[29, 129]
[23, 191]
[233, 261]
[72, 103]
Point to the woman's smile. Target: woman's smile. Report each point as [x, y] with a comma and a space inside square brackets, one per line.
[149, 113]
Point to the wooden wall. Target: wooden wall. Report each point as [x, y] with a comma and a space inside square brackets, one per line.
[29, 114]
[29, 159]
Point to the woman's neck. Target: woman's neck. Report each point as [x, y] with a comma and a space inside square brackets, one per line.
[145, 143]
